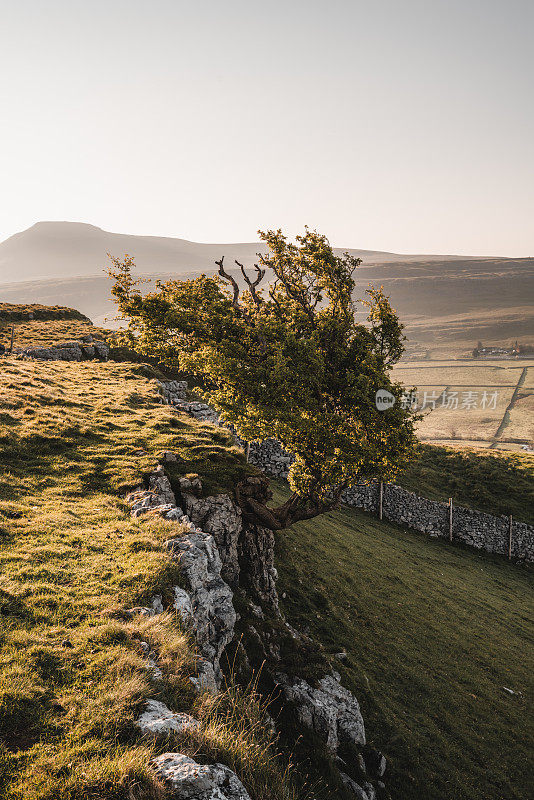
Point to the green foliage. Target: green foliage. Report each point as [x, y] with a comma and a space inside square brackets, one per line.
[288, 361]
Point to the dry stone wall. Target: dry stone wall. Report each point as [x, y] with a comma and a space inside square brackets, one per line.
[470, 527]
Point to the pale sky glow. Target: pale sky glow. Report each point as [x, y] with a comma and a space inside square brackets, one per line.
[397, 125]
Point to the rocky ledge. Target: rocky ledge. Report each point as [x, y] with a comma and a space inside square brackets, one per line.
[86, 349]
[219, 555]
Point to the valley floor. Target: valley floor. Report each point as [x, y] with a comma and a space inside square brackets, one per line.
[433, 633]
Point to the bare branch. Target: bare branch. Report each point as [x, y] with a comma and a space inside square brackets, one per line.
[231, 280]
[252, 284]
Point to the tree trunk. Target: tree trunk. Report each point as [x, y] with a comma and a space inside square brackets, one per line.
[253, 494]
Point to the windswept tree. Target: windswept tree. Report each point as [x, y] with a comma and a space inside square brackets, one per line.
[280, 354]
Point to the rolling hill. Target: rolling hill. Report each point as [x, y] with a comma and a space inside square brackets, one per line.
[447, 302]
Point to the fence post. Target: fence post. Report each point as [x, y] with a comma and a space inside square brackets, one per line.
[381, 500]
[12, 334]
[450, 519]
[510, 538]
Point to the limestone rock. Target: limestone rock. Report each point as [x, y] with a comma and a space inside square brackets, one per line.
[353, 787]
[158, 720]
[221, 517]
[198, 781]
[149, 502]
[330, 710]
[182, 604]
[213, 613]
[157, 605]
[375, 762]
[168, 457]
[351, 728]
[256, 563]
[204, 680]
[160, 485]
[190, 486]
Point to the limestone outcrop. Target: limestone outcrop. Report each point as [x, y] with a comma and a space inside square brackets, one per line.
[329, 709]
[198, 781]
[84, 350]
[219, 553]
[158, 720]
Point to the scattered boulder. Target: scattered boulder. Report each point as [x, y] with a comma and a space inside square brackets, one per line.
[330, 710]
[159, 720]
[198, 781]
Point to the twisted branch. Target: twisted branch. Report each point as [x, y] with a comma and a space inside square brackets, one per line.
[231, 280]
[252, 284]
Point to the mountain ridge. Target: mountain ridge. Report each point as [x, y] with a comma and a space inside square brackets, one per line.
[45, 251]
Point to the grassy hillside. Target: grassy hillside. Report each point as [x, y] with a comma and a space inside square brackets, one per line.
[493, 481]
[18, 312]
[73, 676]
[40, 325]
[432, 634]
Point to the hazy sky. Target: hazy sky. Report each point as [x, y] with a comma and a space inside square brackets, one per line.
[400, 125]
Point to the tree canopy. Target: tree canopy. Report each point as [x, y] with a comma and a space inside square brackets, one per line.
[280, 354]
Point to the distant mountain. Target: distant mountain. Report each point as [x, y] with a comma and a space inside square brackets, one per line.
[448, 302]
[68, 249]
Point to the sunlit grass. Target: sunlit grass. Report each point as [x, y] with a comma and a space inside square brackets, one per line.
[73, 674]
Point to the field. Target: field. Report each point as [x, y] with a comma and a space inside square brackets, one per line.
[72, 672]
[432, 634]
[476, 403]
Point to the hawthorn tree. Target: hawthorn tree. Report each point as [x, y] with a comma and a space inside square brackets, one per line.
[281, 355]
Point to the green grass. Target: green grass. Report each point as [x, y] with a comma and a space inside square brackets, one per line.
[432, 633]
[496, 482]
[72, 672]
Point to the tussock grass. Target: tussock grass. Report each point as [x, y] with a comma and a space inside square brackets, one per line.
[74, 437]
